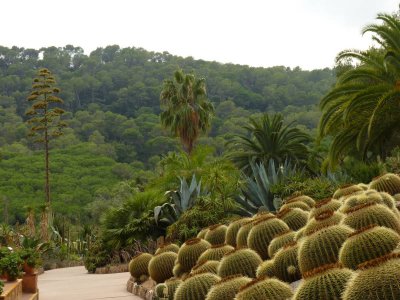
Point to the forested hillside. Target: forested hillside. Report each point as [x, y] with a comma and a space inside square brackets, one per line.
[112, 102]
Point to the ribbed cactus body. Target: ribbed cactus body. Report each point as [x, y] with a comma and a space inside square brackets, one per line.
[243, 233]
[328, 283]
[216, 252]
[302, 198]
[263, 232]
[226, 288]
[266, 268]
[190, 252]
[159, 290]
[178, 270]
[279, 241]
[239, 262]
[202, 233]
[265, 288]
[196, 287]
[389, 183]
[299, 234]
[287, 264]
[232, 231]
[139, 265]
[322, 220]
[216, 234]
[167, 247]
[161, 266]
[324, 205]
[296, 204]
[346, 190]
[295, 218]
[363, 186]
[171, 285]
[205, 266]
[322, 247]
[369, 214]
[367, 244]
[378, 280]
[370, 196]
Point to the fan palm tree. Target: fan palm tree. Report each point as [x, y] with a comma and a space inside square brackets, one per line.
[269, 139]
[362, 111]
[187, 111]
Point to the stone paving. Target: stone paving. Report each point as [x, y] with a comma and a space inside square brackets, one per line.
[76, 284]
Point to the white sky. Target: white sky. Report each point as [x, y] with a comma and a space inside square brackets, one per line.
[305, 33]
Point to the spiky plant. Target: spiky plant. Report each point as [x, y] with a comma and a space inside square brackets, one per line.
[216, 252]
[167, 247]
[178, 270]
[232, 231]
[323, 205]
[171, 285]
[139, 264]
[363, 186]
[265, 288]
[366, 244]
[286, 263]
[196, 287]
[322, 220]
[266, 268]
[295, 218]
[243, 233]
[299, 234]
[346, 190]
[202, 233]
[296, 204]
[263, 232]
[210, 266]
[370, 196]
[161, 266]
[216, 234]
[242, 261]
[190, 252]
[389, 183]
[160, 289]
[280, 241]
[302, 198]
[226, 288]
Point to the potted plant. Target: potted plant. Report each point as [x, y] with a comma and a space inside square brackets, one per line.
[31, 259]
[11, 266]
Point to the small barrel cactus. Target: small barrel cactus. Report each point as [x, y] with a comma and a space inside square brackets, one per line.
[226, 288]
[370, 196]
[323, 219]
[243, 233]
[295, 218]
[202, 233]
[327, 282]
[287, 264]
[242, 261]
[299, 234]
[263, 232]
[190, 252]
[161, 266]
[296, 204]
[323, 205]
[171, 286]
[196, 287]
[347, 190]
[178, 270]
[167, 247]
[266, 268]
[389, 183]
[366, 244]
[216, 234]
[232, 231]
[265, 288]
[205, 266]
[279, 241]
[160, 290]
[302, 198]
[139, 265]
[216, 252]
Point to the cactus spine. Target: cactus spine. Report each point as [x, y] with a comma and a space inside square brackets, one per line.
[323, 205]
[286, 263]
[265, 288]
[139, 265]
[233, 229]
[323, 219]
[216, 252]
[266, 268]
[239, 262]
[167, 247]
[216, 234]
[243, 233]
[171, 286]
[389, 183]
[226, 288]
[279, 241]
[347, 190]
[295, 218]
[196, 287]
[190, 252]
[210, 266]
[161, 266]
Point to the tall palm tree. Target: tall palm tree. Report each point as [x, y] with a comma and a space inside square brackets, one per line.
[187, 111]
[362, 111]
[269, 139]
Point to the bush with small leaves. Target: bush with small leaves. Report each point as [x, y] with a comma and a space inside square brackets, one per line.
[242, 261]
[196, 287]
[190, 252]
[216, 234]
[161, 266]
[265, 288]
[226, 288]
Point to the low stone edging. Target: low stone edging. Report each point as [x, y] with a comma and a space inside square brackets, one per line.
[144, 291]
[112, 269]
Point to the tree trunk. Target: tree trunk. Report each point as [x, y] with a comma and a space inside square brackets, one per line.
[47, 169]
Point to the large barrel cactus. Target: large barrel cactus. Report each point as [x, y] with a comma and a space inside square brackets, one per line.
[138, 267]
[160, 290]
[196, 287]
[161, 266]
[205, 266]
[167, 247]
[286, 263]
[216, 234]
[202, 233]
[233, 229]
[265, 288]
[347, 190]
[226, 288]
[295, 218]
[171, 286]
[190, 252]
[370, 196]
[178, 270]
[266, 268]
[243, 233]
[323, 219]
[279, 241]
[324, 205]
[216, 252]
[389, 183]
[242, 261]
[302, 198]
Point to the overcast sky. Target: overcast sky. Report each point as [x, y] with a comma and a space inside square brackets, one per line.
[305, 33]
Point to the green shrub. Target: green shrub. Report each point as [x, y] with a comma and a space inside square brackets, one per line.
[97, 256]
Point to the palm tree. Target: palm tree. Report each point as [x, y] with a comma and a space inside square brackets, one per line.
[362, 111]
[187, 111]
[269, 139]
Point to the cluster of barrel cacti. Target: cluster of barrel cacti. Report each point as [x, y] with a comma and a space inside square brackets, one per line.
[345, 247]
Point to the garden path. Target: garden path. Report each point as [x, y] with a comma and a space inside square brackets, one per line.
[76, 284]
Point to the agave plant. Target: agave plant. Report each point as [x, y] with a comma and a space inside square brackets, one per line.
[256, 192]
[179, 201]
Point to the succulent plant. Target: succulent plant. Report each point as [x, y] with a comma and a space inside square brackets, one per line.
[370, 196]
[216, 252]
[190, 252]
[242, 261]
[161, 266]
[279, 241]
[266, 268]
[243, 233]
[216, 234]
[322, 220]
[232, 231]
[346, 190]
[295, 218]
[160, 289]
[226, 288]
[363, 186]
[299, 234]
[366, 244]
[139, 264]
[389, 183]
[378, 279]
[327, 282]
[167, 247]
[322, 247]
[265, 288]
[202, 233]
[196, 287]
[171, 286]
[371, 213]
[178, 270]
[296, 204]
[205, 266]
[302, 198]
[287, 264]
[263, 232]
[323, 205]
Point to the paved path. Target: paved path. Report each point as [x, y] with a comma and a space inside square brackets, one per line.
[76, 284]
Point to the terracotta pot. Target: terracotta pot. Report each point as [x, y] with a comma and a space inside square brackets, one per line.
[28, 269]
